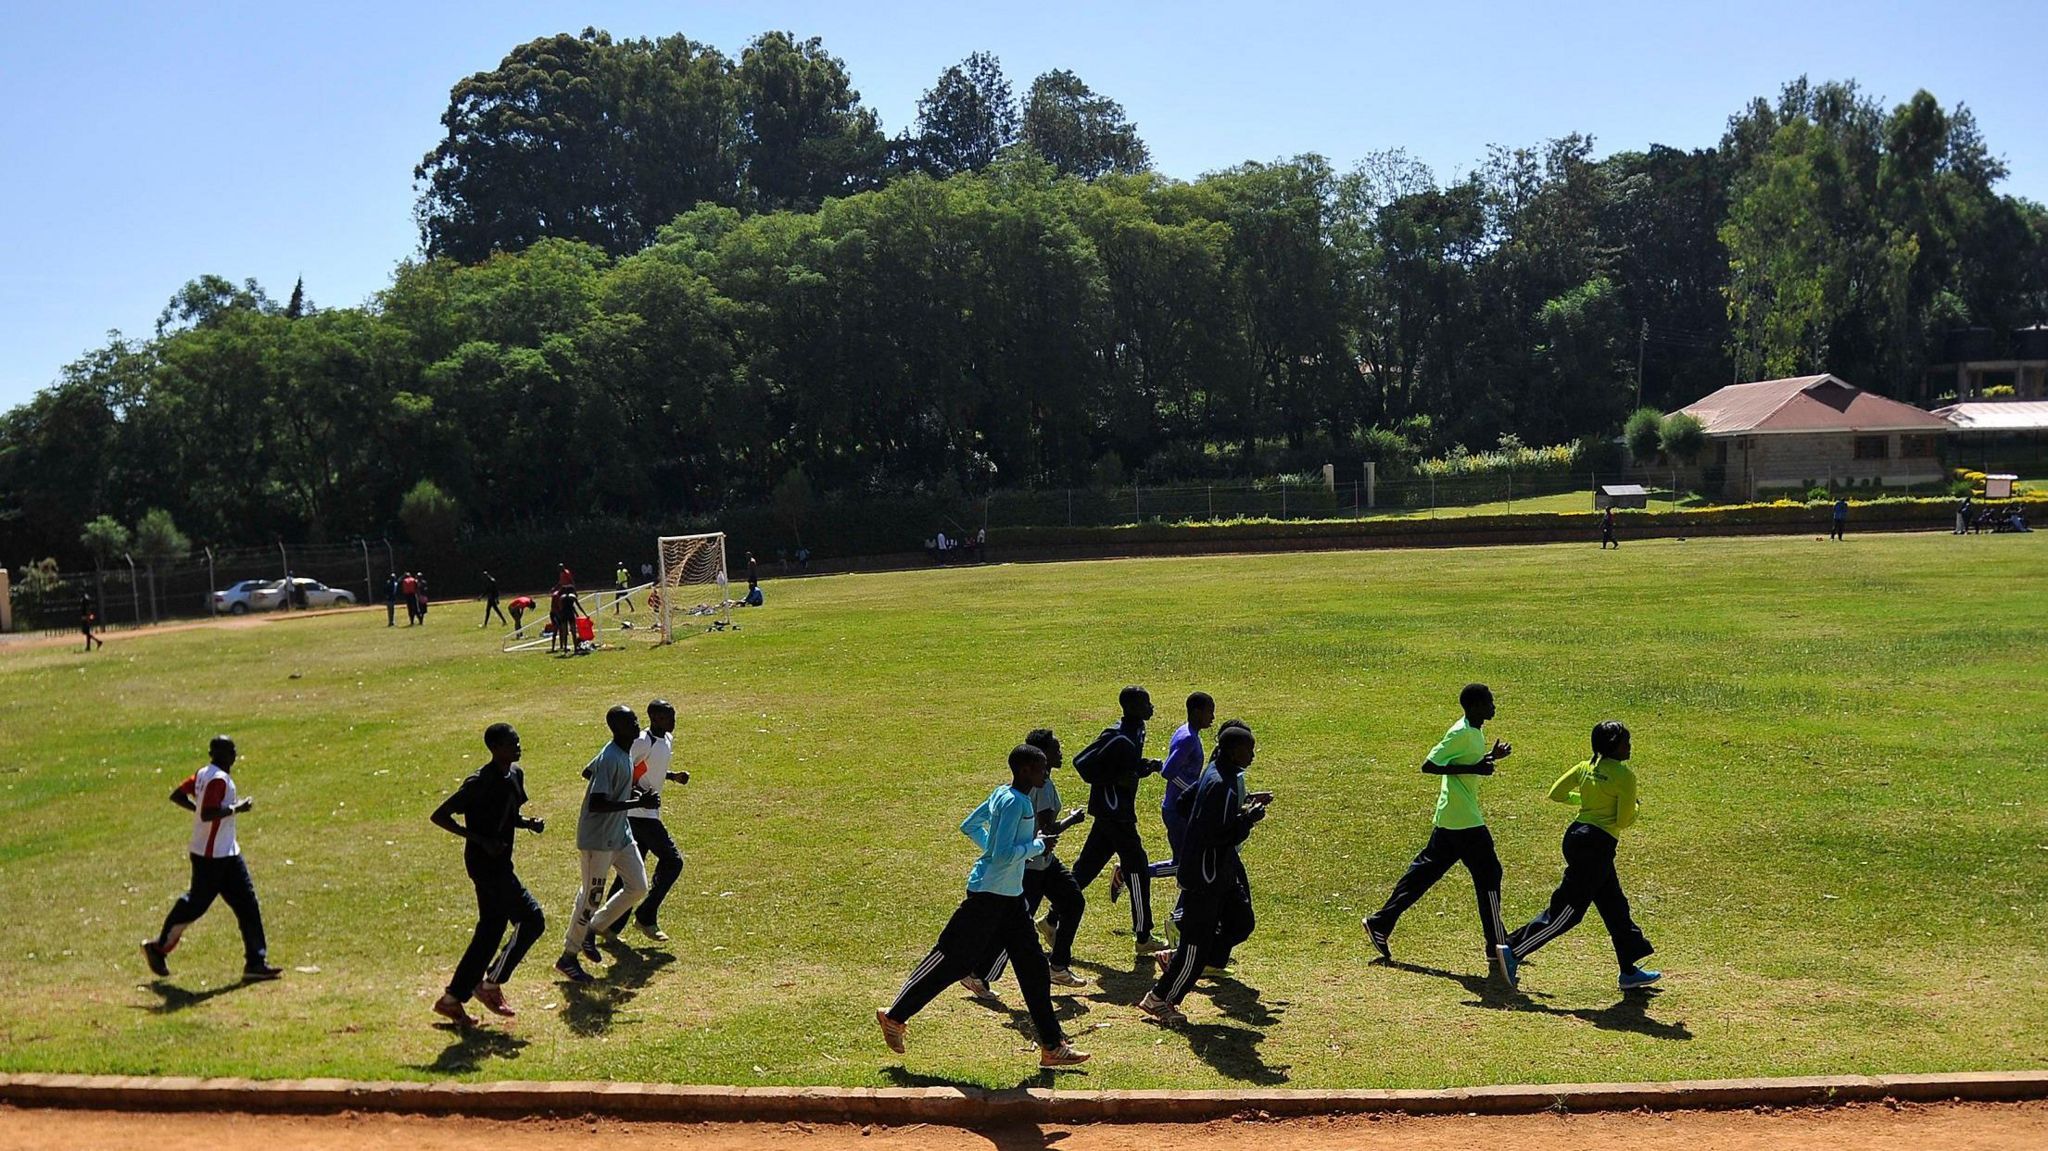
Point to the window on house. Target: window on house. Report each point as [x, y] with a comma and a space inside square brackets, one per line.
[1917, 447]
[1721, 453]
[1871, 448]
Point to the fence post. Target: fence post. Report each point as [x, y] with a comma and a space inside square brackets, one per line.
[1432, 496]
[391, 556]
[1212, 501]
[211, 609]
[134, 588]
[1511, 493]
[1372, 483]
[286, 603]
[1283, 499]
[369, 593]
[1137, 502]
[1070, 507]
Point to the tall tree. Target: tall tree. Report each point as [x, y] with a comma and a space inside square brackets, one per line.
[1079, 132]
[966, 118]
[806, 136]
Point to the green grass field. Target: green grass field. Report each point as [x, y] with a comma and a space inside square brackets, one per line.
[1843, 845]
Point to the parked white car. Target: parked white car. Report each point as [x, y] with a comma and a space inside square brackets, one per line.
[268, 595]
[247, 596]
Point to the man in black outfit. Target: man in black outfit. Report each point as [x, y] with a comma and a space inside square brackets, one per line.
[1112, 767]
[391, 600]
[489, 800]
[491, 601]
[1215, 892]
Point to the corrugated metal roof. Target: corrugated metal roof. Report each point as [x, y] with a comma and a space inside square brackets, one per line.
[1807, 404]
[1997, 415]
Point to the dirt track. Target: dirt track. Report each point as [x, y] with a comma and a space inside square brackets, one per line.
[1959, 1127]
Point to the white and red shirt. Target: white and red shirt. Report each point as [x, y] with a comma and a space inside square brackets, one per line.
[651, 759]
[212, 786]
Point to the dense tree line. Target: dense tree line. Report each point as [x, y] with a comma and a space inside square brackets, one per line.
[657, 282]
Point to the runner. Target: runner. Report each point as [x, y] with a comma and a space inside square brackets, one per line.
[218, 869]
[652, 754]
[604, 842]
[489, 800]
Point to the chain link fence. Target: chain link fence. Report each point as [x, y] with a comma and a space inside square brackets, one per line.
[128, 591]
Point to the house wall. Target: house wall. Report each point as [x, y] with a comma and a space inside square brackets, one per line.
[1758, 463]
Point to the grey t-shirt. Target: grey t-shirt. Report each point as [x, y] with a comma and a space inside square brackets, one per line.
[1045, 797]
[611, 776]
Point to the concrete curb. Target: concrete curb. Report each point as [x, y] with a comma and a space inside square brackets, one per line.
[975, 1107]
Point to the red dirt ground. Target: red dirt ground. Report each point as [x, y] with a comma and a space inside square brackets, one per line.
[1950, 1127]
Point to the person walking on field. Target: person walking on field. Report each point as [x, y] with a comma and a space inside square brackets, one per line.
[604, 843]
[1604, 790]
[89, 620]
[1005, 830]
[1607, 539]
[409, 587]
[420, 596]
[1046, 879]
[653, 753]
[489, 800]
[391, 600]
[1840, 519]
[491, 601]
[1458, 833]
[218, 870]
[1113, 766]
[1216, 893]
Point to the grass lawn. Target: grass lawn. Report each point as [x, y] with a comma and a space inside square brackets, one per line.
[1841, 857]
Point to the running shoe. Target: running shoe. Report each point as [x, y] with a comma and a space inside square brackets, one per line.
[1636, 977]
[1047, 928]
[1065, 977]
[1161, 958]
[1116, 881]
[1160, 1009]
[1380, 940]
[258, 972]
[572, 970]
[154, 956]
[976, 987]
[590, 950]
[652, 931]
[1062, 1056]
[1146, 945]
[454, 1012]
[493, 997]
[1506, 966]
[892, 1031]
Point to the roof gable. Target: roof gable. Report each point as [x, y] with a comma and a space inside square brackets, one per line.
[1823, 403]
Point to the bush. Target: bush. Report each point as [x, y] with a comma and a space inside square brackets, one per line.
[1682, 437]
[430, 516]
[1643, 434]
[1819, 496]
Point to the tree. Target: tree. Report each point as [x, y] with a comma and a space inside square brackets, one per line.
[792, 502]
[1644, 434]
[578, 137]
[158, 541]
[1682, 437]
[1078, 132]
[298, 305]
[430, 515]
[966, 118]
[806, 137]
[105, 538]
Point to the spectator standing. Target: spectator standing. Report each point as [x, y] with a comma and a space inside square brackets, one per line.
[1840, 519]
[491, 600]
[391, 600]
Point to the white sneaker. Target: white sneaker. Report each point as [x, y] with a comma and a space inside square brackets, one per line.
[1065, 977]
[1161, 1010]
[1047, 929]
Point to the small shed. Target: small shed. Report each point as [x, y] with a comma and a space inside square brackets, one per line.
[1998, 487]
[1621, 496]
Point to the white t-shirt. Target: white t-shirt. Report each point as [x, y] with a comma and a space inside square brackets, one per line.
[651, 758]
[214, 839]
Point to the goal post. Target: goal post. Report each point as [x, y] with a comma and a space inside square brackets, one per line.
[690, 582]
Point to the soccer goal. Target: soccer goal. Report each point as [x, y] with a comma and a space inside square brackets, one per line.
[690, 584]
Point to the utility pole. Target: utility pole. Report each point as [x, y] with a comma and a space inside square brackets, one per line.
[1642, 338]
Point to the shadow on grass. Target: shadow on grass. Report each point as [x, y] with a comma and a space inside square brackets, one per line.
[589, 1008]
[471, 1047]
[1231, 1049]
[1631, 1013]
[173, 998]
[900, 1076]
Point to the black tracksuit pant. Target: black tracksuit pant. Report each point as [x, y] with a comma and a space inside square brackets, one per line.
[1471, 846]
[1589, 879]
[1054, 884]
[1107, 837]
[653, 837]
[491, 607]
[1213, 921]
[225, 878]
[984, 919]
[500, 900]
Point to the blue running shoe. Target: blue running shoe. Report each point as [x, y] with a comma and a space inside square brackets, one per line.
[1636, 977]
[1510, 968]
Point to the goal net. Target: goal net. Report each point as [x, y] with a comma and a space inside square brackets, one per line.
[690, 584]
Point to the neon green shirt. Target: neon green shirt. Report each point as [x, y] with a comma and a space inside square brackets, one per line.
[1457, 801]
[1604, 789]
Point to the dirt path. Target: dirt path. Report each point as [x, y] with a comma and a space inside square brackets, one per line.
[1951, 1127]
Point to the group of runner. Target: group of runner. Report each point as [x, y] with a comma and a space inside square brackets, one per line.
[1206, 809]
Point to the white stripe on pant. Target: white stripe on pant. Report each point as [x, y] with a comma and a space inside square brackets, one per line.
[591, 905]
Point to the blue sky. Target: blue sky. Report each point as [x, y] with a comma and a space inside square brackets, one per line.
[145, 144]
